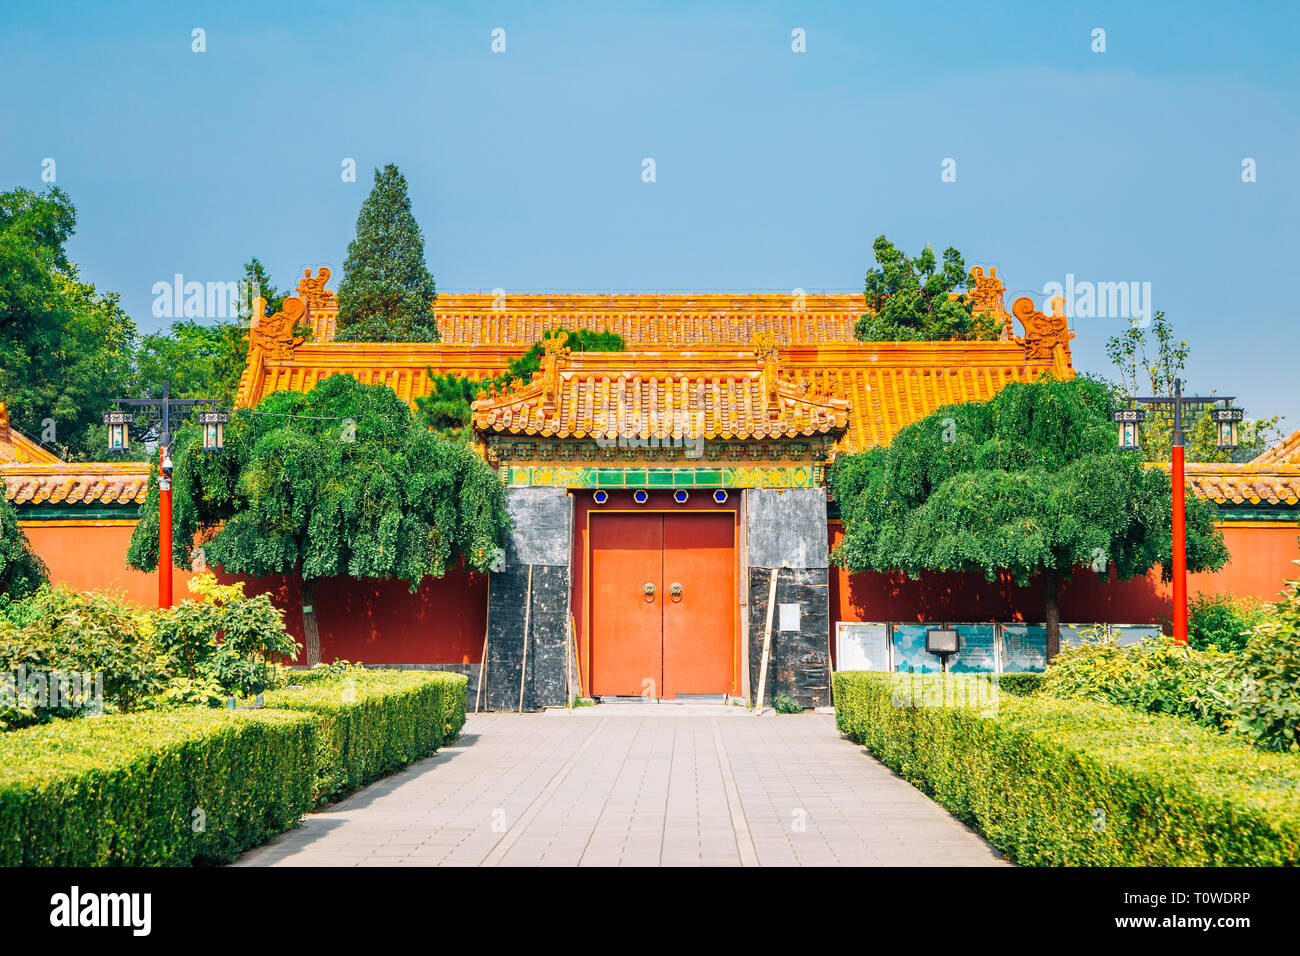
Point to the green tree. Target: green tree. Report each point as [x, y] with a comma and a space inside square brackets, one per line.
[912, 299]
[1149, 359]
[338, 481]
[446, 408]
[21, 569]
[387, 293]
[1029, 483]
[259, 285]
[199, 361]
[65, 349]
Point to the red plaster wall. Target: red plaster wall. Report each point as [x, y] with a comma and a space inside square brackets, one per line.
[1261, 562]
[93, 555]
[373, 622]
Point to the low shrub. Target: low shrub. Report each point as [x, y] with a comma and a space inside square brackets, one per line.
[1221, 622]
[372, 722]
[154, 788]
[786, 705]
[59, 631]
[1075, 782]
[1021, 684]
[1267, 672]
[251, 632]
[1154, 677]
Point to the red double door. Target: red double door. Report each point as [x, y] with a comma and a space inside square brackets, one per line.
[663, 604]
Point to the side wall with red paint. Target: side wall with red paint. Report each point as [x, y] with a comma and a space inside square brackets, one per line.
[371, 622]
[1262, 556]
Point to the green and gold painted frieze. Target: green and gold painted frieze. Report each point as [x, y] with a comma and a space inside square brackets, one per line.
[740, 476]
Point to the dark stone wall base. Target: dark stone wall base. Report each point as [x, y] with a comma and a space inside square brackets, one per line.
[544, 680]
[799, 665]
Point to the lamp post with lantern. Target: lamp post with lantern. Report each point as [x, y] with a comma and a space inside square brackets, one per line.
[211, 422]
[1226, 420]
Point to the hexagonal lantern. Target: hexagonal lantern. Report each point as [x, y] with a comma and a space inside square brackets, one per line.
[119, 436]
[213, 426]
[1129, 420]
[1226, 419]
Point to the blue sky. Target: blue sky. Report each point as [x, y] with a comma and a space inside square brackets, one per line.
[774, 170]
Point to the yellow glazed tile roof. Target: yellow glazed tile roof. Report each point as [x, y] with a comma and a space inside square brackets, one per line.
[85, 483]
[1271, 478]
[599, 396]
[17, 447]
[887, 385]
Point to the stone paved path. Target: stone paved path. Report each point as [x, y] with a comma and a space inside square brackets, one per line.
[636, 784]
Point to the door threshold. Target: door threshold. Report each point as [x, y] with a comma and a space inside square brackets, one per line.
[680, 700]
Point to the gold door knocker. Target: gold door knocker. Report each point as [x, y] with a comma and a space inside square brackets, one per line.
[648, 589]
[676, 591]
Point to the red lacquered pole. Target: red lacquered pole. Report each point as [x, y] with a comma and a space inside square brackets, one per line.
[1180, 550]
[164, 530]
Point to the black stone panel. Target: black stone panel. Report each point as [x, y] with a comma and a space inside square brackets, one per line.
[542, 518]
[544, 683]
[786, 528]
[799, 662]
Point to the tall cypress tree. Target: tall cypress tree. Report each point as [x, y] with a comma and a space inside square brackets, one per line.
[387, 293]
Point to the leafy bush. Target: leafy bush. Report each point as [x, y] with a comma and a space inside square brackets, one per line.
[374, 722]
[1221, 622]
[1267, 670]
[21, 569]
[1072, 782]
[173, 788]
[250, 631]
[65, 632]
[786, 705]
[1154, 677]
[1021, 685]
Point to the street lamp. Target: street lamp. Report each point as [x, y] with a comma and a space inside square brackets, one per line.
[214, 429]
[1128, 420]
[1226, 419]
[117, 422]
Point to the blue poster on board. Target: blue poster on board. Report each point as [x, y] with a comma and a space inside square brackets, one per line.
[1024, 647]
[976, 653]
[910, 654]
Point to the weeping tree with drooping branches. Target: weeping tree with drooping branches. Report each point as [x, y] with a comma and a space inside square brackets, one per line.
[339, 481]
[1030, 483]
[21, 569]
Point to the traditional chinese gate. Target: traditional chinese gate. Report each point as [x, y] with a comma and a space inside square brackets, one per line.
[663, 603]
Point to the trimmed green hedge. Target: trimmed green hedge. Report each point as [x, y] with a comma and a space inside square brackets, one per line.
[133, 789]
[1054, 782]
[1021, 684]
[375, 722]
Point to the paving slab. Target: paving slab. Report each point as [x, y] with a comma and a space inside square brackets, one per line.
[636, 785]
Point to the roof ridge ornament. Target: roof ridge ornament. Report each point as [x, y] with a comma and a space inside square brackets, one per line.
[1044, 334]
[276, 335]
[986, 295]
[554, 352]
[767, 353]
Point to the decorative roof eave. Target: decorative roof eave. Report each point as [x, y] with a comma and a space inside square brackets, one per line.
[81, 483]
[1285, 452]
[1242, 483]
[563, 403]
